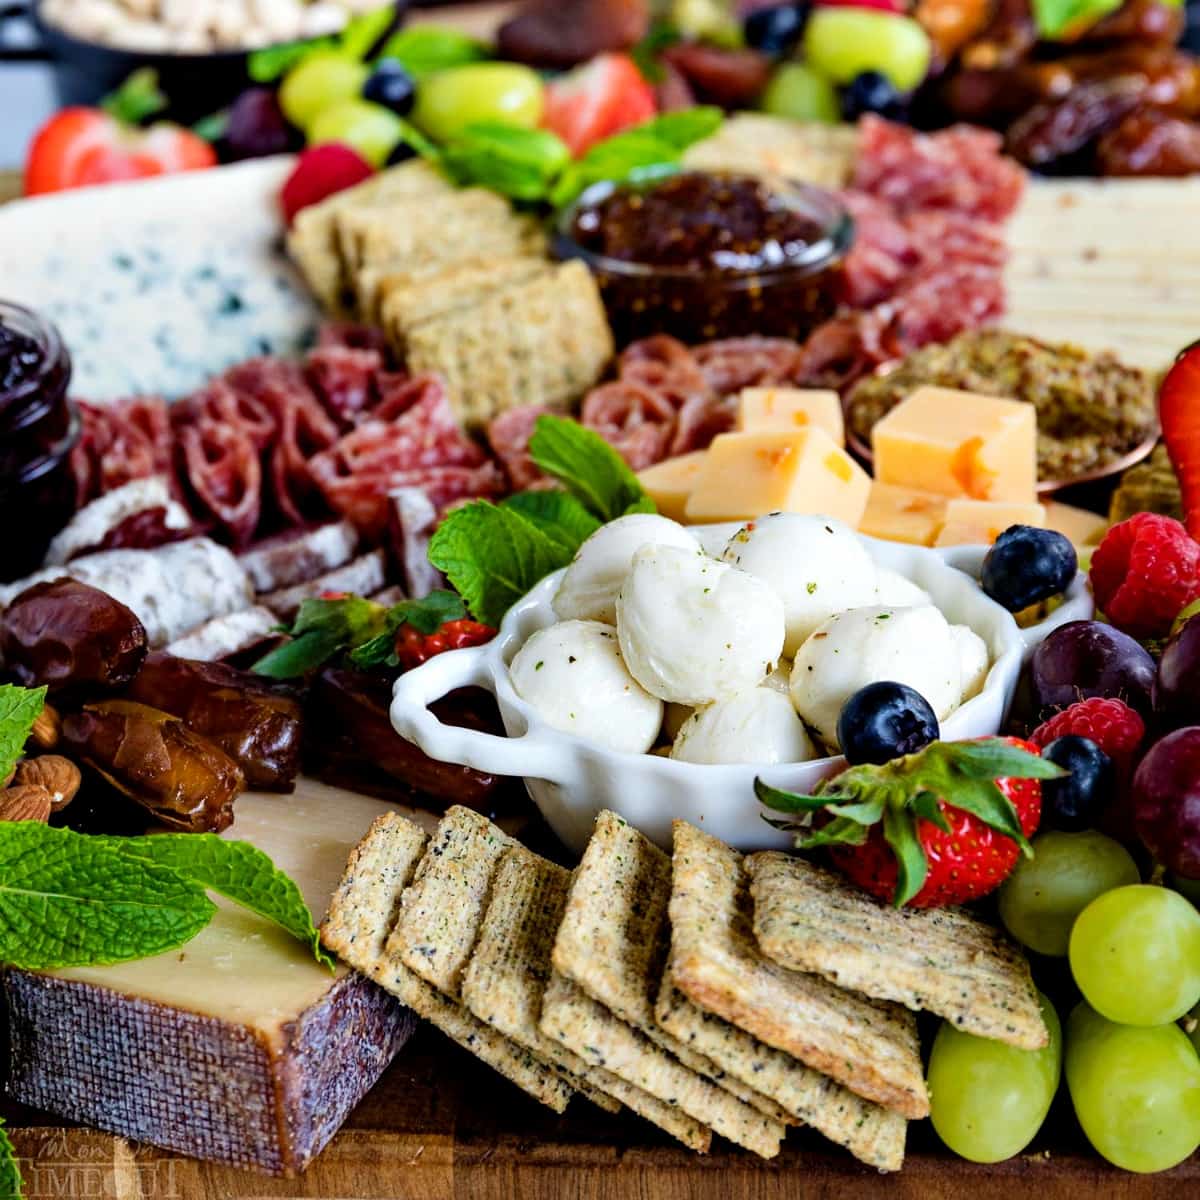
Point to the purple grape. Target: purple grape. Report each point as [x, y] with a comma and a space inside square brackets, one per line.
[1177, 684]
[1088, 658]
[257, 126]
[1166, 802]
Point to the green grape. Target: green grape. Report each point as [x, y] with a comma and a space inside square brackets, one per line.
[1040, 900]
[798, 92]
[320, 80]
[371, 129]
[453, 99]
[1135, 954]
[1136, 1091]
[842, 42]
[988, 1099]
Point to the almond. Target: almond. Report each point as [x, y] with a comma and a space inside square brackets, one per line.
[25, 803]
[58, 775]
[47, 729]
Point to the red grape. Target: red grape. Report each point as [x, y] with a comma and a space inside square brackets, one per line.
[1166, 799]
[257, 126]
[1177, 684]
[1089, 658]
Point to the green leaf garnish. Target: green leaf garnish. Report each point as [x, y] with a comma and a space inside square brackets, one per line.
[424, 49]
[1059, 18]
[240, 872]
[273, 62]
[426, 616]
[323, 629]
[137, 99]
[559, 515]
[659, 36]
[19, 708]
[11, 1184]
[363, 33]
[519, 163]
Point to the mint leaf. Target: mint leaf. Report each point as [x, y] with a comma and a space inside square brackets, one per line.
[682, 128]
[659, 36]
[493, 556]
[273, 62]
[19, 708]
[297, 657]
[363, 32]
[240, 872]
[1054, 18]
[11, 1184]
[137, 99]
[323, 629]
[588, 467]
[519, 163]
[559, 515]
[424, 49]
[429, 614]
[71, 900]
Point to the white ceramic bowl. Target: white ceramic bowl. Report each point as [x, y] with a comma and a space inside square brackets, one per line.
[571, 779]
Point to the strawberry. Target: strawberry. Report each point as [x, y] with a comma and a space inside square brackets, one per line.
[939, 827]
[83, 146]
[414, 647]
[320, 172]
[1179, 413]
[596, 100]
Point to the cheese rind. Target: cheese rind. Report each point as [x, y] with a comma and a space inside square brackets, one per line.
[747, 474]
[901, 514]
[959, 444]
[669, 483]
[981, 522]
[785, 410]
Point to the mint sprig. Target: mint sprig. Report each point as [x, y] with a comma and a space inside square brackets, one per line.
[425, 49]
[12, 1186]
[1064, 18]
[19, 708]
[322, 629]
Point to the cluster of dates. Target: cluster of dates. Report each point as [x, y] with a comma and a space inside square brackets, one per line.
[181, 738]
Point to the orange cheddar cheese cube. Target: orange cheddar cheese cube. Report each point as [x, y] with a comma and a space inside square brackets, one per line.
[959, 444]
[784, 410]
[745, 475]
[900, 514]
[670, 482]
[981, 522]
[1082, 527]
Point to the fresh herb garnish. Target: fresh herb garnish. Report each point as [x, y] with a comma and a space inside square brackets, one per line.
[323, 628]
[137, 99]
[11, 1184]
[363, 33]
[559, 515]
[274, 62]
[19, 709]
[424, 49]
[659, 36]
[426, 616]
[1064, 18]
[519, 163]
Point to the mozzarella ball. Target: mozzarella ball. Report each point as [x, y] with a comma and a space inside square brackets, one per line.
[780, 679]
[817, 565]
[757, 726]
[869, 645]
[973, 659]
[694, 630]
[572, 675]
[588, 591]
[897, 590]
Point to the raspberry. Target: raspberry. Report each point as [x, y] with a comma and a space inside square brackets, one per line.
[1144, 571]
[1111, 724]
[319, 173]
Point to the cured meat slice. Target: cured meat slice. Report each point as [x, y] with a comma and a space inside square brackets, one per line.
[291, 558]
[121, 441]
[637, 421]
[343, 378]
[734, 363]
[508, 435]
[412, 519]
[220, 402]
[224, 475]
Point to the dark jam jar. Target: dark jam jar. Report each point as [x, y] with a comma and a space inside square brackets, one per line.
[38, 428]
[707, 255]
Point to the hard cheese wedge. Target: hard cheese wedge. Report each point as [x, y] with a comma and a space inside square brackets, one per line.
[1082, 527]
[959, 444]
[747, 474]
[900, 514]
[669, 483]
[237, 1047]
[784, 410]
[981, 522]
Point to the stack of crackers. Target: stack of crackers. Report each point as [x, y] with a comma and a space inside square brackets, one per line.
[707, 992]
[463, 286]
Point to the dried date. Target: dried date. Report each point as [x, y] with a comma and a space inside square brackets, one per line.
[180, 778]
[561, 33]
[1053, 131]
[1150, 142]
[730, 78]
[67, 635]
[259, 725]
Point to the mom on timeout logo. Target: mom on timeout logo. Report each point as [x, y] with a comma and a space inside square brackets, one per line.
[81, 1165]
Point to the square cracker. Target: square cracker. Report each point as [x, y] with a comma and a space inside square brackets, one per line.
[507, 976]
[574, 1019]
[942, 960]
[542, 341]
[613, 942]
[869, 1046]
[361, 914]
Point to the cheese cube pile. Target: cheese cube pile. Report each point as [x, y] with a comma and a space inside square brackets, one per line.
[786, 410]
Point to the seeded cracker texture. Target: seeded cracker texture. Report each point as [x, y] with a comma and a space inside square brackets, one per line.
[871, 1133]
[361, 915]
[941, 960]
[507, 976]
[869, 1046]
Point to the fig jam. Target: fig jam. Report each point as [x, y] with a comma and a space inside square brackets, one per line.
[38, 429]
[706, 255]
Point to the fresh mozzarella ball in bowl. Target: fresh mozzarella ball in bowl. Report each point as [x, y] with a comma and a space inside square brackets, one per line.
[897, 590]
[756, 726]
[780, 679]
[865, 645]
[817, 565]
[694, 630]
[573, 676]
[973, 658]
[589, 587]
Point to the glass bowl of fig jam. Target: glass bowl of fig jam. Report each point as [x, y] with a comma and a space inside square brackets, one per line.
[705, 255]
[39, 426]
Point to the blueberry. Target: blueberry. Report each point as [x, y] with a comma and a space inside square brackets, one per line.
[775, 30]
[1028, 565]
[872, 92]
[883, 721]
[1076, 801]
[392, 86]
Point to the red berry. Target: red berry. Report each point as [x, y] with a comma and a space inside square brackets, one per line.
[594, 101]
[414, 647]
[319, 173]
[1111, 724]
[1144, 571]
[1179, 413]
